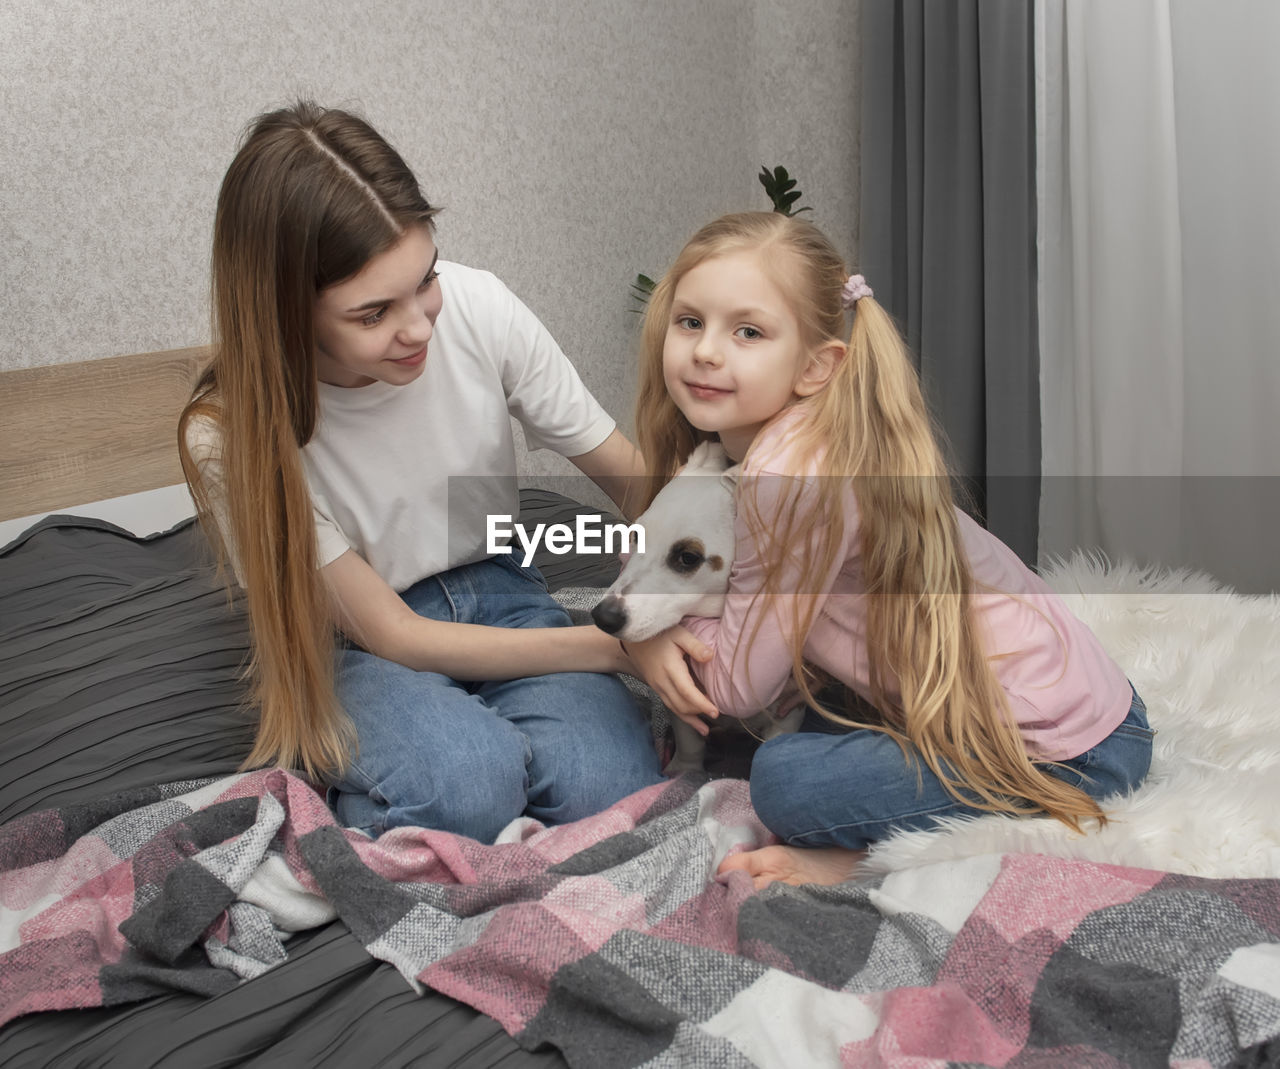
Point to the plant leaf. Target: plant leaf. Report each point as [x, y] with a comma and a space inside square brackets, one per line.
[641, 290]
[779, 186]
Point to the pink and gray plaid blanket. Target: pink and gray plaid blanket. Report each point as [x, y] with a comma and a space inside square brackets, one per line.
[612, 940]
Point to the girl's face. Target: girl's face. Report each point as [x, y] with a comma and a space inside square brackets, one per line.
[375, 326]
[733, 356]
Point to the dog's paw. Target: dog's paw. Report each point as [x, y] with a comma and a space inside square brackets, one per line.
[678, 766]
[782, 725]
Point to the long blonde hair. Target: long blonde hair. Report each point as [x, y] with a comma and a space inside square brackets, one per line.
[312, 195]
[868, 423]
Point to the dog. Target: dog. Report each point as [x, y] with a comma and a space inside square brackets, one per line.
[684, 571]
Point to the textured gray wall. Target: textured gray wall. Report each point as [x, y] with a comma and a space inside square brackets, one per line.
[572, 142]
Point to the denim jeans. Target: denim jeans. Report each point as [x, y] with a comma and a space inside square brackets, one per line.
[835, 788]
[470, 757]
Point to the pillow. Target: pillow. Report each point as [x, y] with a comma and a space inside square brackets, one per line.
[566, 570]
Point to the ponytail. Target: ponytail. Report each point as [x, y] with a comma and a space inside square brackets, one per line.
[922, 637]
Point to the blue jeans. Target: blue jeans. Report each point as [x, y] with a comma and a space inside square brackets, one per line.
[823, 788]
[470, 757]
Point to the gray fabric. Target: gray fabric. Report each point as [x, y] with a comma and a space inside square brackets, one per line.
[120, 663]
[330, 1004]
[948, 232]
[561, 570]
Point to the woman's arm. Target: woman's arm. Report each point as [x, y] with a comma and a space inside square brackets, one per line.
[367, 610]
[617, 467]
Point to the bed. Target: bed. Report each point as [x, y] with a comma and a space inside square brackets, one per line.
[158, 906]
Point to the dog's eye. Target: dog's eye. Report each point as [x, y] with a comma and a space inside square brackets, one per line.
[686, 556]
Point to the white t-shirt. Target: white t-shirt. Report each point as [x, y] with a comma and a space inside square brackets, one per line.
[407, 475]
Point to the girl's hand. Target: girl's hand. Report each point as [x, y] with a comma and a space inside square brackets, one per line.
[660, 662]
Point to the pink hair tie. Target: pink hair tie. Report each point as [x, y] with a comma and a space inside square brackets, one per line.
[854, 290]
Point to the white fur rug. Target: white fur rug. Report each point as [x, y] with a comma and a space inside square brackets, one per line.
[1206, 661]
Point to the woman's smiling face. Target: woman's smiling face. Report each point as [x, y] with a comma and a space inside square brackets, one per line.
[376, 325]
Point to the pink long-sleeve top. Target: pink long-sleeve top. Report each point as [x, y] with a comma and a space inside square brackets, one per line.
[1065, 692]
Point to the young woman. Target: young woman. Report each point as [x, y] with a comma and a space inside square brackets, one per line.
[346, 446]
[853, 564]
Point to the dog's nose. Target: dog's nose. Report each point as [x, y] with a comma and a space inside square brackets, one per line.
[610, 616]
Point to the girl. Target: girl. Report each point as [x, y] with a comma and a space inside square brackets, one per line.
[986, 694]
[354, 373]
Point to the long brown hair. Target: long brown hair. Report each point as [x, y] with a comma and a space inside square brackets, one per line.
[868, 423]
[311, 197]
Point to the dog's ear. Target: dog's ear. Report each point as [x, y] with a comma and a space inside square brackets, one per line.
[706, 456]
[729, 478]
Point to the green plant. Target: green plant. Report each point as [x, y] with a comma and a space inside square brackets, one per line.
[781, 190]
[780, 187]
[641, 291]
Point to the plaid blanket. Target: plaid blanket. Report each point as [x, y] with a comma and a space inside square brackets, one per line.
[612, 940]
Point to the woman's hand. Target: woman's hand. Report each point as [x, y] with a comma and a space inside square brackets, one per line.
[660, 662]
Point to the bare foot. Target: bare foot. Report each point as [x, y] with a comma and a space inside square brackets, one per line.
[794, 864]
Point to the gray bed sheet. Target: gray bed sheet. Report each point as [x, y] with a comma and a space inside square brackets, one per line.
[121, 666]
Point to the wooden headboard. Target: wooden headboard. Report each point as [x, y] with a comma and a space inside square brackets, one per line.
[76, 433]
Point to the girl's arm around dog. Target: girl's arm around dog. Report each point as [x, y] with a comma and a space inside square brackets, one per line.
[753, 637]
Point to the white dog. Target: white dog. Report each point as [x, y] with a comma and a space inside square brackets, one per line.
[684, 571]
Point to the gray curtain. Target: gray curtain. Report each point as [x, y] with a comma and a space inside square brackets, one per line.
[948, 241]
